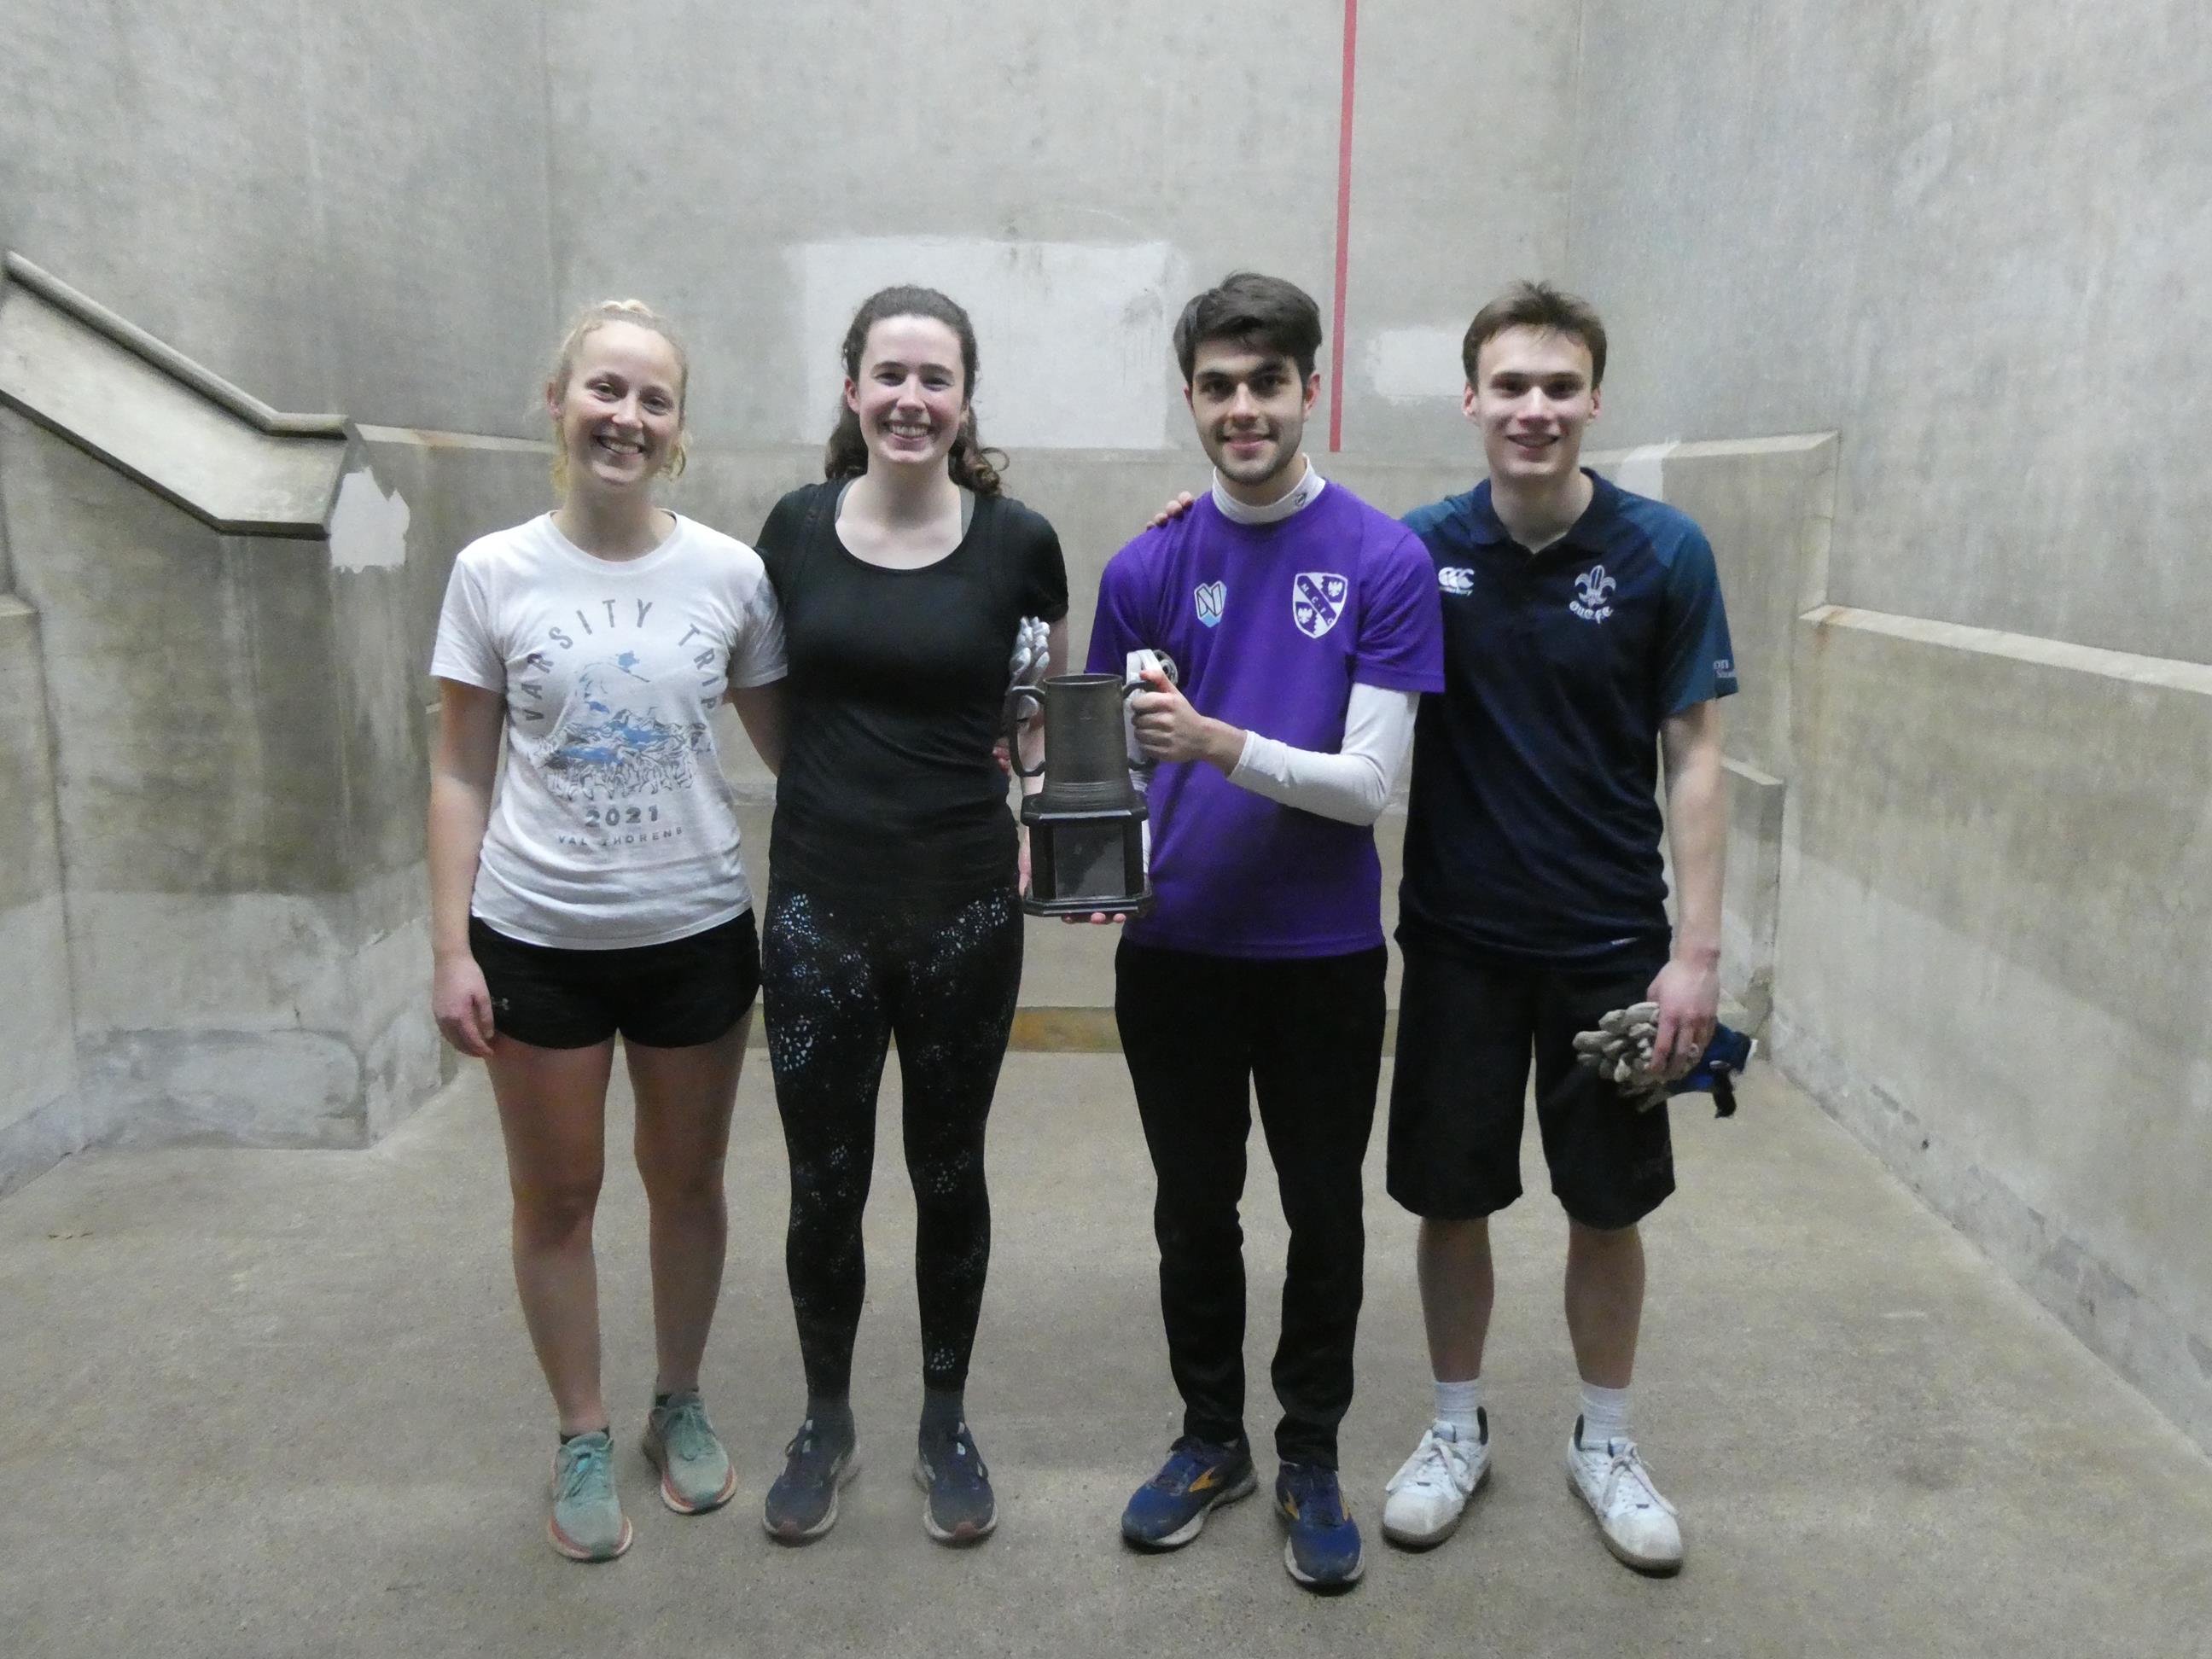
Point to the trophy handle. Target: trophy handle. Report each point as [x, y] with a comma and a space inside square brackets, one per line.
[1014, 730]
[1143, 765]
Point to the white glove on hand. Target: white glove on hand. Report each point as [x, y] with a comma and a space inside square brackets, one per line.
[1032, 654]
[1620, 1052]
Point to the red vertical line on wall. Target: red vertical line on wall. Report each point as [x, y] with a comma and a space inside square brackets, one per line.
[1343, 226]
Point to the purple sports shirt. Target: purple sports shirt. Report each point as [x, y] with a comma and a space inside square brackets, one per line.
[1270, 626]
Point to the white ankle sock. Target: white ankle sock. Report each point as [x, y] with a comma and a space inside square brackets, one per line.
[1458, 1404]
[1605, 1416]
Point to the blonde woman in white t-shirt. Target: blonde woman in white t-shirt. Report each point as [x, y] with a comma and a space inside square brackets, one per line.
[598, 889]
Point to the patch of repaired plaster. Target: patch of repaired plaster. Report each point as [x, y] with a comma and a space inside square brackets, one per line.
[1410, 365]
[1073, 336]
[1644, 470]
[368, 528]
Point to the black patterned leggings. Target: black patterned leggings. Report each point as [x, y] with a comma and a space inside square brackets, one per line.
[839, 979]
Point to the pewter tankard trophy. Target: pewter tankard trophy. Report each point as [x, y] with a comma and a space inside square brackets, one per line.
[1087, 826]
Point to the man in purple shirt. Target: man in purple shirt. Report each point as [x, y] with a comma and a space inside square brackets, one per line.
[1303, 625]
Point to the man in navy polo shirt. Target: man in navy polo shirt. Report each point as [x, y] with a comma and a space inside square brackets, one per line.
[1584, 640]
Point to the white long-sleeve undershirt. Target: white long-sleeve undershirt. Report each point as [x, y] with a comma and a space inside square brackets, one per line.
[1353, 785]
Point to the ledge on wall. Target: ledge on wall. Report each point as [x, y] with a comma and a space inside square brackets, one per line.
[107, 386]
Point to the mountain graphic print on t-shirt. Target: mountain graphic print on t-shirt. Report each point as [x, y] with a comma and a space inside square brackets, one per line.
[605, 746]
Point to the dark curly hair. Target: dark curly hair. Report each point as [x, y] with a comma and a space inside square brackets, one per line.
[1258, 314]
[972, 466]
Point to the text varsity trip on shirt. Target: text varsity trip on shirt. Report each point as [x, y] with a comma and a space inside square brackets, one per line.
[1270, 625]
[1535, 825]
[898, 684]
[614, 825]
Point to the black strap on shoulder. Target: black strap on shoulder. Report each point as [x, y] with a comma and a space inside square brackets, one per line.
[823, 498]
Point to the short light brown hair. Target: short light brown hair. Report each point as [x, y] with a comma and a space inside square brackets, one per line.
[1539, 306]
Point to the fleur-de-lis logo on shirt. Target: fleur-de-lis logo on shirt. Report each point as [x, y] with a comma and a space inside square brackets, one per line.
[1593, 591]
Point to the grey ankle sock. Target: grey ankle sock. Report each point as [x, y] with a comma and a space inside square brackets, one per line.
[943, 1410]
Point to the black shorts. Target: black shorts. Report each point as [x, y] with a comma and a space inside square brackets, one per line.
[677, 994]
[1467, 1027]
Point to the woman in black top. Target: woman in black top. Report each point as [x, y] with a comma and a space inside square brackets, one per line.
[893, 903]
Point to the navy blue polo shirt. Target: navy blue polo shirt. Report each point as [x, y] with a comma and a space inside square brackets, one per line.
[1533, 825]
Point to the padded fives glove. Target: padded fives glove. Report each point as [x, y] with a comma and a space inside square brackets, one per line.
[1641, 1017]
[1620, 1052]
[1031, 655]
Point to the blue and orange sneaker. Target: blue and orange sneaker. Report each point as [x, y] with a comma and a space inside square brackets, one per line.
[1322, 1551]
[1168, 1510]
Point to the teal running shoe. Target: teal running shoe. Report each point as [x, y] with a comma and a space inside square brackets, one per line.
[587, 1524]
[696, 1473]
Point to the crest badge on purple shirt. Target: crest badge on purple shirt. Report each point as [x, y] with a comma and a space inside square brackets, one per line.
[1209, 598]
[1318, 601]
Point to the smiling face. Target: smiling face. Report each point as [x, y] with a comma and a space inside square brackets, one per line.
[620, 413]
[1532, 398]
[911, 393]
[1250, 406]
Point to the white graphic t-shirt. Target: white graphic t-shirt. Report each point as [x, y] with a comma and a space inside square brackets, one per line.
[614, 825]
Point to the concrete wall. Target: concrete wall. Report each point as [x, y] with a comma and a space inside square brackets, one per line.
[386, 210]
[36, 1016]
[340, 207]
[213, 836]
[1996, 923]
[236, 854]
[1966, 238]
[1070, 175]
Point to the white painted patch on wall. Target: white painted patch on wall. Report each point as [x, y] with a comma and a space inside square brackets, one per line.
[1072, 335]
[368, 528]
[1408, 365]
[1644, 470]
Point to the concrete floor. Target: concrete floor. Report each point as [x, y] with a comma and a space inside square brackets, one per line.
[281, 1403]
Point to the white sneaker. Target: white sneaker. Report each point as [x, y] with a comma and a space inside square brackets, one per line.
[1637, 1524]
[1427, 1495]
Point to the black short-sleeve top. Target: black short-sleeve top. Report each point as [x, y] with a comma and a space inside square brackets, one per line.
[897, 690]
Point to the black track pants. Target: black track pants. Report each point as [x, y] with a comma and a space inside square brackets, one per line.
[1201, 1035]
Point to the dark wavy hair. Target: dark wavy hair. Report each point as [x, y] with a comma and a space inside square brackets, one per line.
[972, 466]
[1256, 312]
